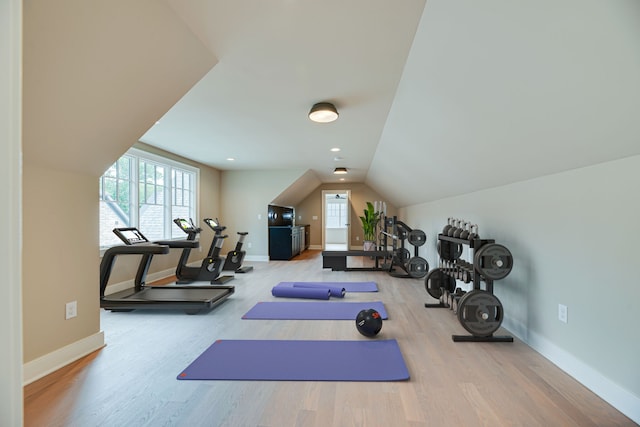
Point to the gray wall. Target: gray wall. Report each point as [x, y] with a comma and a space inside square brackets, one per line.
[574, 240]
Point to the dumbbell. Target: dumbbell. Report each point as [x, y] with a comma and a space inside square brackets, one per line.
[473, 233]
[450, 300]
[467, 268]
[446, 228]
[465, 233]
[451, 229]
[458, 231]
[456, 301]
[444, 297]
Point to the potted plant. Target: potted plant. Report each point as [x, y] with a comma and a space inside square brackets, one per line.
[369, 223]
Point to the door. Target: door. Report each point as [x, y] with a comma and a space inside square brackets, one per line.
[336, 213]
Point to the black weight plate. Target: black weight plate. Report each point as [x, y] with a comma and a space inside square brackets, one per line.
[480, 313]
[449, 251]
[437, 279]
[401, 233]
[403, 255]
[417, 267]
[417, 237]
[493, 261]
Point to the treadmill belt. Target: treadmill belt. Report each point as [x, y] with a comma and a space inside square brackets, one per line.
[192, 299]
[178, 294]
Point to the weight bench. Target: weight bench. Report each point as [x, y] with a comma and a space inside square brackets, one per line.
[337, 260]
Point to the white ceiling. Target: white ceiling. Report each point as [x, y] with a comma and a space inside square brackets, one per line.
[433, 103]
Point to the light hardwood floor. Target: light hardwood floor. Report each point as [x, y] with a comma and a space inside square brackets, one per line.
[132, 381]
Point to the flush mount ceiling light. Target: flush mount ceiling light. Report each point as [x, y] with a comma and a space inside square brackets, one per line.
[323, 112]
[340, 171]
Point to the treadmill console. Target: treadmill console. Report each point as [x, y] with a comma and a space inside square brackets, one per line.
[214, 225]
[130, 235]
[186, 226]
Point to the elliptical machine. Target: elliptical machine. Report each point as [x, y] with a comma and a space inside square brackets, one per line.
[212, 264]
[233, 261]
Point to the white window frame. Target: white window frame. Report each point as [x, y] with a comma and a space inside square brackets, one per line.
[139, 155]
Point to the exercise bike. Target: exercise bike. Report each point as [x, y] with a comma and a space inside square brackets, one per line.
[211, 265]
[233, 261]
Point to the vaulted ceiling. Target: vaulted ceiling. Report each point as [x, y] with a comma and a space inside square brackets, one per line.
[436, 99]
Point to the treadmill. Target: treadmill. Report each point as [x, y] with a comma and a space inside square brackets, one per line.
[191, 299]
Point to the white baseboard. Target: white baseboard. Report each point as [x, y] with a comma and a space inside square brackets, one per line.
[256, 258]
[618, 397]
[42, 366]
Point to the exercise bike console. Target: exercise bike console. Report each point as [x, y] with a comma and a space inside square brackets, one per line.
[234, 259]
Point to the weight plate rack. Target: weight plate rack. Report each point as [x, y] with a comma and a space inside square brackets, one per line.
[414, 266]
[479, 311]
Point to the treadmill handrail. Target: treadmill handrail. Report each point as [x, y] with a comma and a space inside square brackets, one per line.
[147, 250]
[191, 244]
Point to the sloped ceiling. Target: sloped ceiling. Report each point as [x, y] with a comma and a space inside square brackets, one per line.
[97, 75]
[436, 99]
[498, 92]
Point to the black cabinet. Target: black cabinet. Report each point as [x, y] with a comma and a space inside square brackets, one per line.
[307, 236]
[284, 242]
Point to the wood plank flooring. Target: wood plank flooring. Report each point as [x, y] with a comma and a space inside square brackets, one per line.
[132, 381]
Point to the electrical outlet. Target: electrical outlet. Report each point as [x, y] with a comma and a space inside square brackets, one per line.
[357, 238]
[249, 245]
[71, 310]
[563, 313]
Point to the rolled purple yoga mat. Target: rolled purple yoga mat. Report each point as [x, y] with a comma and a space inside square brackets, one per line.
[312, 293]
[336, 291]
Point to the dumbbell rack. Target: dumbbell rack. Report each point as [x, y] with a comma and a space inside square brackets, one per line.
[450, 244]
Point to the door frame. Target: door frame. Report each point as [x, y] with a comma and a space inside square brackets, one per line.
[324, 205]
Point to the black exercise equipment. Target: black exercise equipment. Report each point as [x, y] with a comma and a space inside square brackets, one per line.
[385, 259]
[411, 266]
[479, 311]
[234, 258]
[449, 251]
[191, 299]
[436, 281]
[493, 261]
[337, 260]
[210, 267]
[369, 322]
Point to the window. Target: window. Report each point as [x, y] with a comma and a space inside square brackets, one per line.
[146, 191]
[336, 213]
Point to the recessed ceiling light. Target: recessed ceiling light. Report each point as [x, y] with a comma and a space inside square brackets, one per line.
[335, 149]
[341, 179]
[231, 159]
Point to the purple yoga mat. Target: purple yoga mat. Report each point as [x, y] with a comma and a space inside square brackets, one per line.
[316, 310]
[279, 360]
[291, 292]
[335, 291]
[348, 286]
